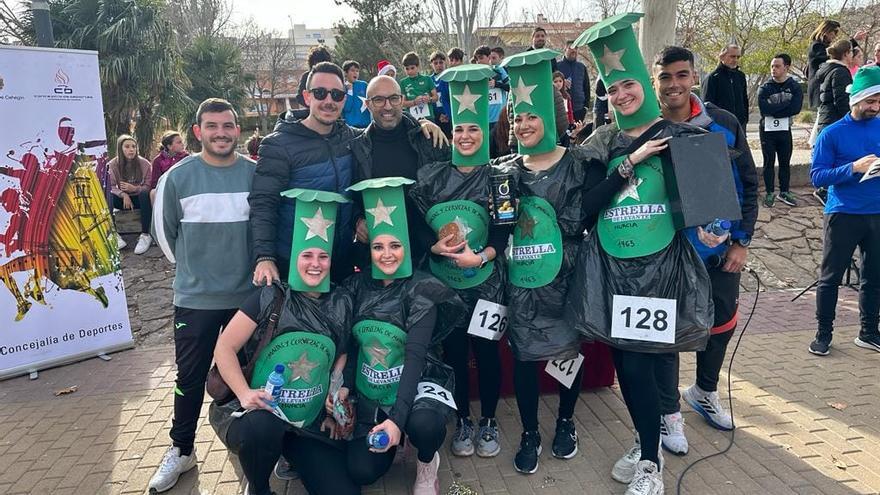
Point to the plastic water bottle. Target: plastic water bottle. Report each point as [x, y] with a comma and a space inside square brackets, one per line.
[378, 440]
[718, 227]
[274, 384]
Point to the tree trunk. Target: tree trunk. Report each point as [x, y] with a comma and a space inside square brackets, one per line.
[657, 28]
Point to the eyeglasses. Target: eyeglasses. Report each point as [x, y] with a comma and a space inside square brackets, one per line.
[320, 94]
[379, 101]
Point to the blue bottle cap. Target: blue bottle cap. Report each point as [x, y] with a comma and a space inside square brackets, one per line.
[725, 224]
[279, 368]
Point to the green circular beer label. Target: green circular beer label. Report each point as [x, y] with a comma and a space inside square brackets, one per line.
[307, 359]
[638, 222]
[536, 253]
[465, 220]
[381, 348]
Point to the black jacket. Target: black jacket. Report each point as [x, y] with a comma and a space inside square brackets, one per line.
[296, 156]
[816, 56]
[780, 99]
[726, 88]
[832, 79]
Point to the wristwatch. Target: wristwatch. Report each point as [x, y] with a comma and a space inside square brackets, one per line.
[743, 241]
[484, 257]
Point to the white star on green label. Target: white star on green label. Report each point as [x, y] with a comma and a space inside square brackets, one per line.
[611, 60]
[381, 213]
[467, 99]
[631, 190]
[523, 92]
[317, 225]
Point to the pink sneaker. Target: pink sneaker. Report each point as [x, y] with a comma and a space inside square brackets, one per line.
[427, 482]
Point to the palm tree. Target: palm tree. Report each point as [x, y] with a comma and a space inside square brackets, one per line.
[142, 76]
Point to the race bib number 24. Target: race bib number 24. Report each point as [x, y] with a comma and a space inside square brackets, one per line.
[648, 319]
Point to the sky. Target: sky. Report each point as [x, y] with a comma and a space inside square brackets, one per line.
[278, 14]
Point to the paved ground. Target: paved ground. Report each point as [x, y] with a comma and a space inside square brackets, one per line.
[806, 424]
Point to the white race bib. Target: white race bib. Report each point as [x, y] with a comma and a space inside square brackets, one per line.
[777, 124]
[488, 321]
[648, 319]
[496, 96]
[429, 390]
[564, 370]
[420, 111]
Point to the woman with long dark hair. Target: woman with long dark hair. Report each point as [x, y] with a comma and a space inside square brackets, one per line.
[130, 187]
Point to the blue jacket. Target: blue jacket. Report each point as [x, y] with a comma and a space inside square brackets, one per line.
[745, 176]
[837, 147]
[296, 156]
[580, 82]
[355, 110]
[442, 106]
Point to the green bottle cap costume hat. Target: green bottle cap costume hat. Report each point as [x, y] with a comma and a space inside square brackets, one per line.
[616, 51]
[385, 212]
[531, 87]
[314, 228]
[469, 96]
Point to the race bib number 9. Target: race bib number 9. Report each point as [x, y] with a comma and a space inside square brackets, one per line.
[648, 319]
[420, 111]
[488, 321]
[776, 124]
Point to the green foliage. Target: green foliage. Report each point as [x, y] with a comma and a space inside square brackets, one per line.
[215, 69]
[141, 69]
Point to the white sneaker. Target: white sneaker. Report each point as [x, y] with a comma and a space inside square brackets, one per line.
[709, 406]
[120, 242]
[143, 244]
[672, 433]
[427, 482]
[648, 480]
[625, 468]
[169, 471]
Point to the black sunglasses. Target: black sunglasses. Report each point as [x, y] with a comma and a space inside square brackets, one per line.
[321, 93]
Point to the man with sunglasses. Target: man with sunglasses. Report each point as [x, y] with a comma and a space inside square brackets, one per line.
[309, 149]
[393, 146]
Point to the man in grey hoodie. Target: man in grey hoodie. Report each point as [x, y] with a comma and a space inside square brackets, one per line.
[200, 221]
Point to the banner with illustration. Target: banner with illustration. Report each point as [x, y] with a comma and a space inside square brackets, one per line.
[62, 298]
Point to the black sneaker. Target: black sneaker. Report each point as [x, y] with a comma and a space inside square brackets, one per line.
[869, 341]
[526, 460]
[821, 194]
[821, 344]
[565, 442]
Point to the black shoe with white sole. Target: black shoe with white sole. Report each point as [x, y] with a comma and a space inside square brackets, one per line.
[821, 345]
[526, 460]
[565, 442]
[869, 341]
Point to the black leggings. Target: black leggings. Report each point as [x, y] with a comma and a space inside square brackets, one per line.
[637, 376]
[456, 351]
[259, 438]
[525, 381]
[139, 202]
[426, 429]
[776, 144]
[709, 363]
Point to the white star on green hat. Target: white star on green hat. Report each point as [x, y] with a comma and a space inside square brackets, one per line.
[381, 213]
[317, 225]
[467, 99]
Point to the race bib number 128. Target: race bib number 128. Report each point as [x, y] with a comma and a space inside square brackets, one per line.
[648, 319]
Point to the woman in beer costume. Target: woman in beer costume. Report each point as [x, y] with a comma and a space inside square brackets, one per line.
[454, 196]
[311, 338]
[401, 385]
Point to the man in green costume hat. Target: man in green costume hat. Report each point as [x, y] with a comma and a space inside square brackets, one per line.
[385, 218]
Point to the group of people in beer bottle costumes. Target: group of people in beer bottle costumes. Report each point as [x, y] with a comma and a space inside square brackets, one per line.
[388, 350]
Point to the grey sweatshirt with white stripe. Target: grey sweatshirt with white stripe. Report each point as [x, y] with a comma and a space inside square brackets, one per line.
[200, 220]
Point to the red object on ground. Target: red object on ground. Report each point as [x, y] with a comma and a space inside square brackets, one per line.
[598, 370]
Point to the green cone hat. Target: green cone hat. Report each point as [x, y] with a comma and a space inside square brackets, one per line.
[469, 96]
[616, 51]
[531, 87]
[314, 228]
[385, 212]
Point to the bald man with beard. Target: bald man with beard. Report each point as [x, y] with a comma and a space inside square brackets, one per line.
[393, 145]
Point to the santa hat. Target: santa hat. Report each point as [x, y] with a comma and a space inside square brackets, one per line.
[866, 83]
[385, 67]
